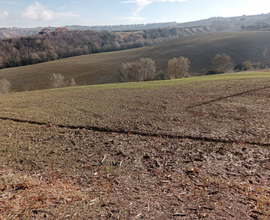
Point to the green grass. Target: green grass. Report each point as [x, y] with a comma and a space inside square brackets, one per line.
[102, 68]
[152, 84]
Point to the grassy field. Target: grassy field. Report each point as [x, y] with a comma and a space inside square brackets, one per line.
[102, 68]
[190, 148]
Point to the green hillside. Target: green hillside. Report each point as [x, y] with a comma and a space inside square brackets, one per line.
[102, 67]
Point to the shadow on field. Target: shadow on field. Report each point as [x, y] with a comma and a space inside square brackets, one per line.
[145, 134]
[230, 96]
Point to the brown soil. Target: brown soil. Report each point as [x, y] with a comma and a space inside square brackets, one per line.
[206, 157]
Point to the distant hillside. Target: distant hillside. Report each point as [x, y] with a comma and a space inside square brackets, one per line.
[62, 44]
[18, 32]
[228, 24]
[102, 67]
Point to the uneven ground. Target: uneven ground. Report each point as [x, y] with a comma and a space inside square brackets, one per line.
[102, 68]
[180, 149]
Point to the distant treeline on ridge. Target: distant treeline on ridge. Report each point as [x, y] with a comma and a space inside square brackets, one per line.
[56, 45]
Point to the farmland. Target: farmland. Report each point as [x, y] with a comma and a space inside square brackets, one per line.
[189, 148]
[102, 68]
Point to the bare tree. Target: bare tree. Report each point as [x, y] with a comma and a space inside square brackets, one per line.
[178, 67]
[247, 65]
[72, 82]
[128, 71]
[146, 69]
[266, 57]
[57, 81]
[5, 86]
[143, 69]
[222, 63]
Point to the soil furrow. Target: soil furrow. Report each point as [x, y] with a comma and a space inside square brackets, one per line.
[227, 97]
[149, 134]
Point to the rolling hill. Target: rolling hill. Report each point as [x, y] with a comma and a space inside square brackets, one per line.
[196, 148]
[217, 23]
[102, 67]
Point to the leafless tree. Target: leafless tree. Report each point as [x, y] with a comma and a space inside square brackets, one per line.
[178, 67]
[5, 86]
[222, 63]
[57, 81]
[247, 65]
[143, 69]
[146, 69]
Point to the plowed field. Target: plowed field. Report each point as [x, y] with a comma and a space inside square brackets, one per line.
[180, 149]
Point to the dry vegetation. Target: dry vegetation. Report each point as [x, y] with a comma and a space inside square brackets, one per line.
[180, 149]
[102, 68]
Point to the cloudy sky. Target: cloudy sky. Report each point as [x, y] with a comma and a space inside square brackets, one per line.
[28, 13]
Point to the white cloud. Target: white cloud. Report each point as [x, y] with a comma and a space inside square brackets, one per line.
[4, 14]
[142, 3]
[9, 2]
[132, 19]
[77, 2]
[39, 12]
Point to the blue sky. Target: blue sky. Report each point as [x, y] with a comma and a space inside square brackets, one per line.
[28, 13]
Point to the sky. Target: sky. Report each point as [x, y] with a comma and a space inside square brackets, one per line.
[28, 13]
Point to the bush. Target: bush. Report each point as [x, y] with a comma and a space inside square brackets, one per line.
[160, 75]
[5, 86]
[178, 67]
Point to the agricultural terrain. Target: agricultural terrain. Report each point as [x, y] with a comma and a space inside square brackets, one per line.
[102, 67]
[193, 148]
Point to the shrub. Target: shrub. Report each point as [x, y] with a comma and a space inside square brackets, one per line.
[160, 75]
[178, 67]
[5, 86]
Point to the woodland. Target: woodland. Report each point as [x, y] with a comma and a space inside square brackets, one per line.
[56, 45]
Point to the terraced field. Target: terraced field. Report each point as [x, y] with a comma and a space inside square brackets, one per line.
[179, 149]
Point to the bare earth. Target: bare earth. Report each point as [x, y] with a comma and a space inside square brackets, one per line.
[185, 149]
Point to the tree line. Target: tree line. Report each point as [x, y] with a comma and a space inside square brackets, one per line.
[145, 69]
[56, 45]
